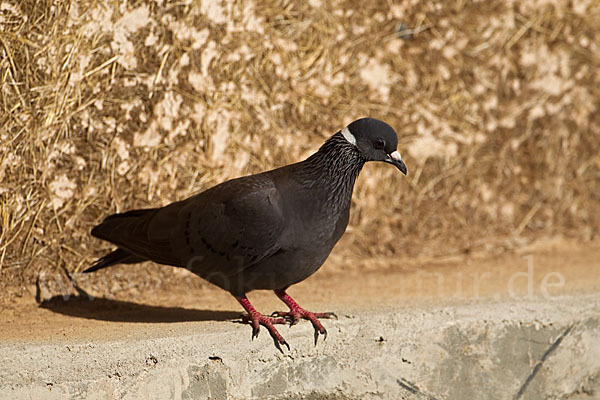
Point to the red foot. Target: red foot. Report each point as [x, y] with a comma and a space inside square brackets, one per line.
[296, 313]
[256, 319]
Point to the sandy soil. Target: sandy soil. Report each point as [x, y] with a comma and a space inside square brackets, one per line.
[548, 269]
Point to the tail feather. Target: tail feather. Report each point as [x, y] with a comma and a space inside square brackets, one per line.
[118, 256]
[140, 234]
[116, 222]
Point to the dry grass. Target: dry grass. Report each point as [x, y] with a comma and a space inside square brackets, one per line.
[112, 105]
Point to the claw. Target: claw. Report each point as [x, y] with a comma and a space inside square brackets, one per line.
[290, 317]
[318, 331]
[280, 317]
[278, 345]
[256, 320]
[296, 313]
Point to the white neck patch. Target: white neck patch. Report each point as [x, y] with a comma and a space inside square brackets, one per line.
[349, 136]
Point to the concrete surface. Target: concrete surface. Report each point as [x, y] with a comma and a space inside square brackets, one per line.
[529, 349]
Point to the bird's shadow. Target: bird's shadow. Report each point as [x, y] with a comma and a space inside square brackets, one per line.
[104, 309]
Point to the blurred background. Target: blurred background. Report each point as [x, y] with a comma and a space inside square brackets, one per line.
[113, 105]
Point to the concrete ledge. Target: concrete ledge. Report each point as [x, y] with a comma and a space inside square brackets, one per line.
[499, 350]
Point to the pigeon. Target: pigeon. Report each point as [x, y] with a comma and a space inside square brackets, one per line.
[259, 232]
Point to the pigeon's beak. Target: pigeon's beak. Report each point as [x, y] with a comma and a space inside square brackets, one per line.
[396, 159]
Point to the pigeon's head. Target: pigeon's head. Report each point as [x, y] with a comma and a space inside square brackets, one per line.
[376, 140]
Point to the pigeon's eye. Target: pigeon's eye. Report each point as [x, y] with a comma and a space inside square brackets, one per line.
[379, 144]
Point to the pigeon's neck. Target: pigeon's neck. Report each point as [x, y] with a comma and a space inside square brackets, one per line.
[335, 168]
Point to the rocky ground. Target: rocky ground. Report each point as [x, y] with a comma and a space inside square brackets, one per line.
[523, 325]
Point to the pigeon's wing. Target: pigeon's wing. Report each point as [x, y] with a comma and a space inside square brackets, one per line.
[229, 227]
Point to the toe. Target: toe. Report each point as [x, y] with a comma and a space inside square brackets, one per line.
[326, 315]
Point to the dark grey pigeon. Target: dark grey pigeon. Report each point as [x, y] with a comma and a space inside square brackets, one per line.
[264, 231]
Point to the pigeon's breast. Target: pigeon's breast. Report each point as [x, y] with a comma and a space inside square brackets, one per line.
[316, 217]
[313, 223]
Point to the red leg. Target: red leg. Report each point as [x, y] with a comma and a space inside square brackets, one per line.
[257, 319]
[296, 312]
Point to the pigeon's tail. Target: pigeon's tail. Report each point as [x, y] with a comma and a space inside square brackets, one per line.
[113, 225]
[112, 229]
[118, 256]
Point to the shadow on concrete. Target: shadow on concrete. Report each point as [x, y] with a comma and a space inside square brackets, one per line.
[123, 311]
